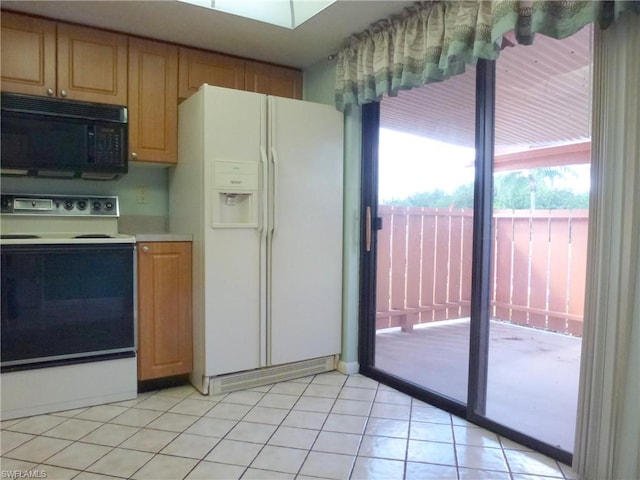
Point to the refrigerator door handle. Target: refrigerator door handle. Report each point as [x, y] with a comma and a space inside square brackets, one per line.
[274, 160]
[264, 219]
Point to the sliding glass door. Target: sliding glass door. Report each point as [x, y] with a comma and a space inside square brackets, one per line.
[539, 236]
[475, 200]
[424, 245]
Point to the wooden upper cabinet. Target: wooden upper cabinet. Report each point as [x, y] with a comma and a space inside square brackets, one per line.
[92, 65]
[28, 55]
[198, 67]
[41, 57]
[153, 101]
[273, 80]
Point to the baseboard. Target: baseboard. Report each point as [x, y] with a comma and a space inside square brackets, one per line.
[348, 368]
[268, 375]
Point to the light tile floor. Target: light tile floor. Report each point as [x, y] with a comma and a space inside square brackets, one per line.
[327, 426]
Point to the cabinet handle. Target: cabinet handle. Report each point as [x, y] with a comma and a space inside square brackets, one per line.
[145, 249]
[134, 155]
[63, 93]
[50, 92]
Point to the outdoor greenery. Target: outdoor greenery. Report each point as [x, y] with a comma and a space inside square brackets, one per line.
[540, 188]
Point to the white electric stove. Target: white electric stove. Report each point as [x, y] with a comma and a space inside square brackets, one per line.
[68, 304]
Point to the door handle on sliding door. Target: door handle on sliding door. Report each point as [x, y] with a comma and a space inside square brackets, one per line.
[371, 224]
[367, 230]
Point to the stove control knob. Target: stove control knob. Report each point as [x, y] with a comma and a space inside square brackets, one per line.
[97, 205]
[5, 202]
[68, 204]
[108, 205]
[82, 204]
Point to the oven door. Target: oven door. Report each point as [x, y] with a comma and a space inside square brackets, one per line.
[66, 303]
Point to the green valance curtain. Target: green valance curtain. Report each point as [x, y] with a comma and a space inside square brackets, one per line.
[432, 41]
[556, 19]
[428, 42]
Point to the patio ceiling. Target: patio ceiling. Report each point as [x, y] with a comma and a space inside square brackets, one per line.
[543, 98]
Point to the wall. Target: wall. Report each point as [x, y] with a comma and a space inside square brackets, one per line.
[134, 216]
[319, 81]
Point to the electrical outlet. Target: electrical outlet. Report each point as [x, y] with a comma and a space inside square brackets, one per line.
[142, 195]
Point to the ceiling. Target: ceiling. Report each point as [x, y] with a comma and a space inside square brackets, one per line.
[201, 27]
[543, 98]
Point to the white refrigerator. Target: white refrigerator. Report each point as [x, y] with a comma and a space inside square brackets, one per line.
[259, 185]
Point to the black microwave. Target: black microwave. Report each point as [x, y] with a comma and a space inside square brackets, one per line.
[52, 137]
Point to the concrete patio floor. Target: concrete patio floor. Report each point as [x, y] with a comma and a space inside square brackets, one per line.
[533, 374]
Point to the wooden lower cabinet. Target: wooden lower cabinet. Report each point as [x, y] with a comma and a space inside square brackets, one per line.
[164, 309]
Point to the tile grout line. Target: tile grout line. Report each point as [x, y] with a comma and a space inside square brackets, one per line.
[155, 454]
[73, 441]
[455, 446]
[310, 449]
[200, 460]
[123, 441]
[366, 423]
[264, 444]
[197, 461]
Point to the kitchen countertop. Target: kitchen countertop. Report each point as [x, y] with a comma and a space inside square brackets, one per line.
[163, 237]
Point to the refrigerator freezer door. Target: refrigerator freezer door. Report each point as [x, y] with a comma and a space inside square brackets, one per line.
[305, 246]
[234, 254]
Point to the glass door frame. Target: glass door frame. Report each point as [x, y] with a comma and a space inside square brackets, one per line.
[474, 409]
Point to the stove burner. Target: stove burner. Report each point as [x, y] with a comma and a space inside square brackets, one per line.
[93, 235]
[16, 236]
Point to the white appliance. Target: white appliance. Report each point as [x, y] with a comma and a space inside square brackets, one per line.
[68, 323]
[259, 185]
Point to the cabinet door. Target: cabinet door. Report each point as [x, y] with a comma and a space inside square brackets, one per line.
[272, 80]
[153, 101]
[164, 309]
[28, 55]
[198, 67]
[92, 65]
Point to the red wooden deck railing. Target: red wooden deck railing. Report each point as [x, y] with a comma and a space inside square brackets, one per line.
[538, 270]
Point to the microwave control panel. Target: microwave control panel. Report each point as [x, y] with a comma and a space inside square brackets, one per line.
[105, 145]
